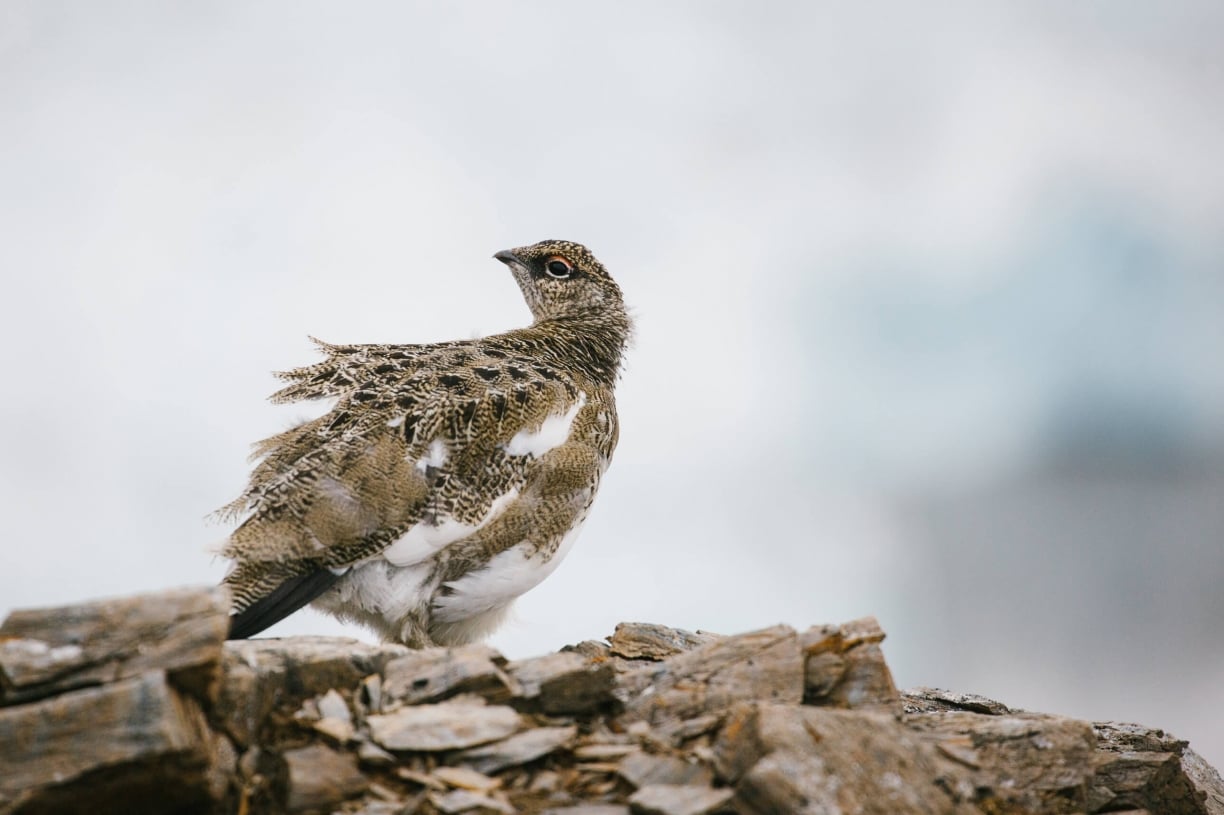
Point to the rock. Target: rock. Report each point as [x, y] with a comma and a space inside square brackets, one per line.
[440, 673]
[51, 650]
[29, 662]
[263, 674]
[371, 693]
[338, 730]
[320, 777]
[696, 726]
[659, 721]
[787, 759]
[220, 774]
[1143, 768]
[649, 641]
[604, 752]
[468, 801]
[765, 665]
[444, 726]
[467, 779]
[564, 682]
[1023, 762]
[332, 706]
[127, 746]
[422, 779]
[644, 770]
[388, 808]
[669, 799]
[1206, 781]
[518, 749]
[844, 666]
[373, 755]
[334, 719]
[931, 700]
[591, 649]
[308, 712]
[262, 780]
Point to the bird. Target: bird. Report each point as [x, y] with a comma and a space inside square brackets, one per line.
[448, 478]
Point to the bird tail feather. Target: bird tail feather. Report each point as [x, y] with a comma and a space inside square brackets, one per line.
[282, 601]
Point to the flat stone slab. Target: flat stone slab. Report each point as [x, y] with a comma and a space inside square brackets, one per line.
[457, 801]
[652, 641]
[518, 749]
[931, 700]
[440, 673]
[44, 651]
[766, 665]
[465, 778]
[564, 682]
[445, 726]
[644, 770]
[142, 724]
[320, 777]
[671, 799]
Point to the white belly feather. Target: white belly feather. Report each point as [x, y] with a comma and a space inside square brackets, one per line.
[496, 584]
[396, 583]
[424, 540]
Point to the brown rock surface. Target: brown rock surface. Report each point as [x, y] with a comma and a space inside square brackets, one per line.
[650, 641]
[440, 673]
[50, 650]
[518, 749]
[670, 799]
[444, 726]
[137, 706]
[67, 745]
[765, 665]
[564, 683]
[320, 778]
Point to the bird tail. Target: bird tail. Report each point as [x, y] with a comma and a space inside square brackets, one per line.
[289, 593]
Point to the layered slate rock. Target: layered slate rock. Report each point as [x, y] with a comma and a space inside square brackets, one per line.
[104, 704]
[137, 705]
[51, 650]
[445, 726]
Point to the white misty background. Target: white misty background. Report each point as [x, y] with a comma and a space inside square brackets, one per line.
[930, 303]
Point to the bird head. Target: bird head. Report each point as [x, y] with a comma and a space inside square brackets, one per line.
[562, 279]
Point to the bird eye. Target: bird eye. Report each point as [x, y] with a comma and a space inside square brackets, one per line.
[558, 267]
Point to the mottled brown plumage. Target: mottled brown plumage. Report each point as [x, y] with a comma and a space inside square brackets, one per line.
[449, 477]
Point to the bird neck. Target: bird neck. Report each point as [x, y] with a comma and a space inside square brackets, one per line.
[591, 343]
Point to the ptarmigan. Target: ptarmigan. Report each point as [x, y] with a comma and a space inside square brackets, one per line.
[448, 478]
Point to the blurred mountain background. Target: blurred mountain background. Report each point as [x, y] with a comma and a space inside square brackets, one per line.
[930, 303]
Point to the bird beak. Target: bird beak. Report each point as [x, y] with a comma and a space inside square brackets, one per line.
[522, 276]
[509, 258]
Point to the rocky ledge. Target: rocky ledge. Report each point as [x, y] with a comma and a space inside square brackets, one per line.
[138, 705]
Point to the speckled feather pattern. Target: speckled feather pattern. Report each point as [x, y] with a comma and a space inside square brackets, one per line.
[438, 458]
